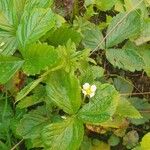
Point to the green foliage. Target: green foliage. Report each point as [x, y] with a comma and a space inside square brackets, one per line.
[64, 90]
[61, 36]
[113, 140]
[101, 107]
[66, 134]
[127, 59]
[58, 76]
[27, 89]
[38, 4]
[126, 109]
[145, 143]
[99, 145]
[142, 105]
[145, 32]
[34, 25]
[35, 98]
[38, 57]
[32, 123]
[92, 37]
[127, 85]
[125, 29]
[102, 5]
[8, 67]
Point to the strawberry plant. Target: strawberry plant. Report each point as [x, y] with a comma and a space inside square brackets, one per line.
[71, 74]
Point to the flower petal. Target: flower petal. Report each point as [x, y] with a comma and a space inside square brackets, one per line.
[86, 86]
[92, 94]
[93, 88]
[84, 92]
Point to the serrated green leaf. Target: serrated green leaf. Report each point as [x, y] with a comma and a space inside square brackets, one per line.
[126, 109]
[29, 101]
[130, 5]
[37, 4]
[34, 24]
[8, 67]
[143, 51]
[37, 97]
[145, 33]
[61, 36]
[123, 85]
[8, 26]
[103, 5]
[66, 135]
[142, 106]
[27, 89]
[124, 29]
[19, 6]
[8, 15]
[34, 143]
[8, 43]
[31, 124]
[145, 143]
[89, 2]
[92, 38]
[64, 90]
[38, 57]
[91, 73]
[127, 59]
[102, 106]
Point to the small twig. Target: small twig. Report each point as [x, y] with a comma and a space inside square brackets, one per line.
[143, 93]
[119, 22]
[15, 146]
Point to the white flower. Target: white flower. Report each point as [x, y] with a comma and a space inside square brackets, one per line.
[89, 90]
